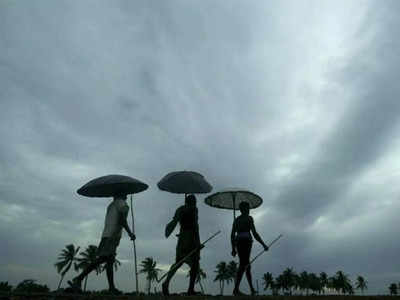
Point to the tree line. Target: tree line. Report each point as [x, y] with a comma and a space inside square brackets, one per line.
[286, 283]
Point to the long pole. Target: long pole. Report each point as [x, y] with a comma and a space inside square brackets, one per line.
[273, 242]
[134, 250]
[187, 256]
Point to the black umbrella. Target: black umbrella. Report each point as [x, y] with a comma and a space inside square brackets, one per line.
[231, 198]
[184, 182]
[112, 185]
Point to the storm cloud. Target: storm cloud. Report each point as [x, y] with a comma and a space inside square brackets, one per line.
[295, 101]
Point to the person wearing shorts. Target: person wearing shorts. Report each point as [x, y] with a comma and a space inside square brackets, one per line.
[188, 240]
[242, 241]
[115, 220]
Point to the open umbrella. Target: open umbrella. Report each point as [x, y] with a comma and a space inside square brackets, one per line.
[111, 185]
[231, 198]
[184, 182]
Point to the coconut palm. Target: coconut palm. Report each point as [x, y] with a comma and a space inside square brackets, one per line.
[268, 281]
[323, 279]
[232, 270]
[149, 267]
[200, 275]
[342, 283]
[304, 282]
[288, 279]
[361, 284]
[5, 287]
[393, 289]
[65, 260]
[314, 283]
[222, 275]
[87, 257]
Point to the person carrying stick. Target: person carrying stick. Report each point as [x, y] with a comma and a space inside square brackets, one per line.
[241, 240]
[188, 240]
[115, 221]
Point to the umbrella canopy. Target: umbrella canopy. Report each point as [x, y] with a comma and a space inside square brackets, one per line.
[184, 182]
[231, 198]
[109, 185]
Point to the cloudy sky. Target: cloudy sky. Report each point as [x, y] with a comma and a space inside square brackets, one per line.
[297, 101]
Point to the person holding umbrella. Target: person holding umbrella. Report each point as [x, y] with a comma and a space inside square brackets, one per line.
[188, 240]
[115, 221]
[241, 240]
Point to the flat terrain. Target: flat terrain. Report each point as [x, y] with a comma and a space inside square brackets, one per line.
[127, 297]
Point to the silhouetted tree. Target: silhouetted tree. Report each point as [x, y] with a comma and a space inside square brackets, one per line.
[29, 286]
[149, 267]
[268, 281]
[5, 287]
[222, 275]
[314, 283]
[361, 284]
[86, 258]
[323, 279]
[393, 289]
[232, 270]
[303, 282]
[65, 260]
[341, 283]
[288, 279]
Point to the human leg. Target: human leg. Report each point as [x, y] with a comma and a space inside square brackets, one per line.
[76, 282]
[249, 280]
[243, 250]
[171, 273]
[194, 270]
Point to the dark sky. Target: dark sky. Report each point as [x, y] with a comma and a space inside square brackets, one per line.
[295, 101]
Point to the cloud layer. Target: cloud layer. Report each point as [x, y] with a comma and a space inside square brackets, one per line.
[297, 102]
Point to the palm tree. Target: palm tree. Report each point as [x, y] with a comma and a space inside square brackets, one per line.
[5, 287]
[65, 260]
[86, 258]
[222, 275]
[304, 282]
[232, 270]
[314, 283]
[269, 283]
[323, 279]
[149, 267]
[200, 275]
[393, 289]
[361, 284]
[288, 279]
[342, 283]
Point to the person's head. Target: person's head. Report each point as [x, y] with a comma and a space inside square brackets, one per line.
[190, 200]
[244, 208]
[120, 195]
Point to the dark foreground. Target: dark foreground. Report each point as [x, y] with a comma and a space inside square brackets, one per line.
[51, 296]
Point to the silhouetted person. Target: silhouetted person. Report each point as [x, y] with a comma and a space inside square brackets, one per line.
[241, 244]
[188, 240]
[115, 220]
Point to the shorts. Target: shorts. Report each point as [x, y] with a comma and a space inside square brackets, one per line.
[186, 244]
[108, 246]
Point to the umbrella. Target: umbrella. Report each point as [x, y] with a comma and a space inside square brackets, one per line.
[109, 185]
[112, 185]
[184, 182]
[231, 198]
